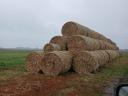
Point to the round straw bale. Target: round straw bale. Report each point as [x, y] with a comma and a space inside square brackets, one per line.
[85, 62]
[89, 61]
[56, 62]
[80, 43]
[61, 41]
[112, 54]
[52, 47]
[105, 58]
[73, 28]
[33, 61]
[102, 45]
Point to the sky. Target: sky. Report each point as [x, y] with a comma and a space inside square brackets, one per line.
[32, 23]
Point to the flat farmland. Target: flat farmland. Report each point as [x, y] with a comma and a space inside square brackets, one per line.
[12, 63]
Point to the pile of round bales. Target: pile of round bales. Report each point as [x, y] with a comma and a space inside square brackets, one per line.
[79, 48]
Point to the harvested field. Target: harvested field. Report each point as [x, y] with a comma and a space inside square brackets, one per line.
[81, 43]
[61, 41]
[89, 61]
[52, 47]
[33, 61]
[56, 62]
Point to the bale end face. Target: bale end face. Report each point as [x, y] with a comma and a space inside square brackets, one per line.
[52, 47]
[55, 63]
[33, 61]
[61, 41]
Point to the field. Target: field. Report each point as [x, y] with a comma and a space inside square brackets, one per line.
[12, 63]
[14, 75]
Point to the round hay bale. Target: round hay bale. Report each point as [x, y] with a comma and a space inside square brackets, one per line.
[33, 61]
[106, 46]
[52, 47]
[80, 43]
[56, 62]
[73, 28]
[102, 45]
[89, 61]
[105, 58]
[61, 41]
[112, 54]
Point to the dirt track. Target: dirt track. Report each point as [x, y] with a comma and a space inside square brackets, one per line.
[39, 85]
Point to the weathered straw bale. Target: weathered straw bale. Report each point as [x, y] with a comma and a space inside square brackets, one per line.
[56, 62]
[112, 54]
[73, 28]
[89, 61]
[33, 61]
[52, 47]
[61, 41]
[79, 42]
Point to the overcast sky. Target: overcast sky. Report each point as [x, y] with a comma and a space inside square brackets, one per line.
[31, 23]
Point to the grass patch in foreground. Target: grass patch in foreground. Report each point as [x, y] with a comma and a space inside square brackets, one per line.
[12, 63]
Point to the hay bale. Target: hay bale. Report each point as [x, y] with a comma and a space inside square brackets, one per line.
[56, 62]
[80, 43]
[33, 61]
[61, 41]
[73, 28]
[112, 54]
[51, 47]
[89, 61]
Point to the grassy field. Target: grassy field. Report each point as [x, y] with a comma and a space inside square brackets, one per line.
[12, 63]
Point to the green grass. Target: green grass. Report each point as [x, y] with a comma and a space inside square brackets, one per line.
[12, 63]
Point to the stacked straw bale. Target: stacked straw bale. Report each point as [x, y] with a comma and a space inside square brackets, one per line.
[56, 62]
[80, 47]
[112, 54]
[73, 28]
[89, 61]
[33, 61]
[49, 47]
[81, 43]
[61, 41]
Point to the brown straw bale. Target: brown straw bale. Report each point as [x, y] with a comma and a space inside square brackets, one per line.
[33, 61]
[89, 61]
[56, 62]
[80, 43]
[61, 41]
[105, 57]
[112, 54]
[51, 47]
[73, 28]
